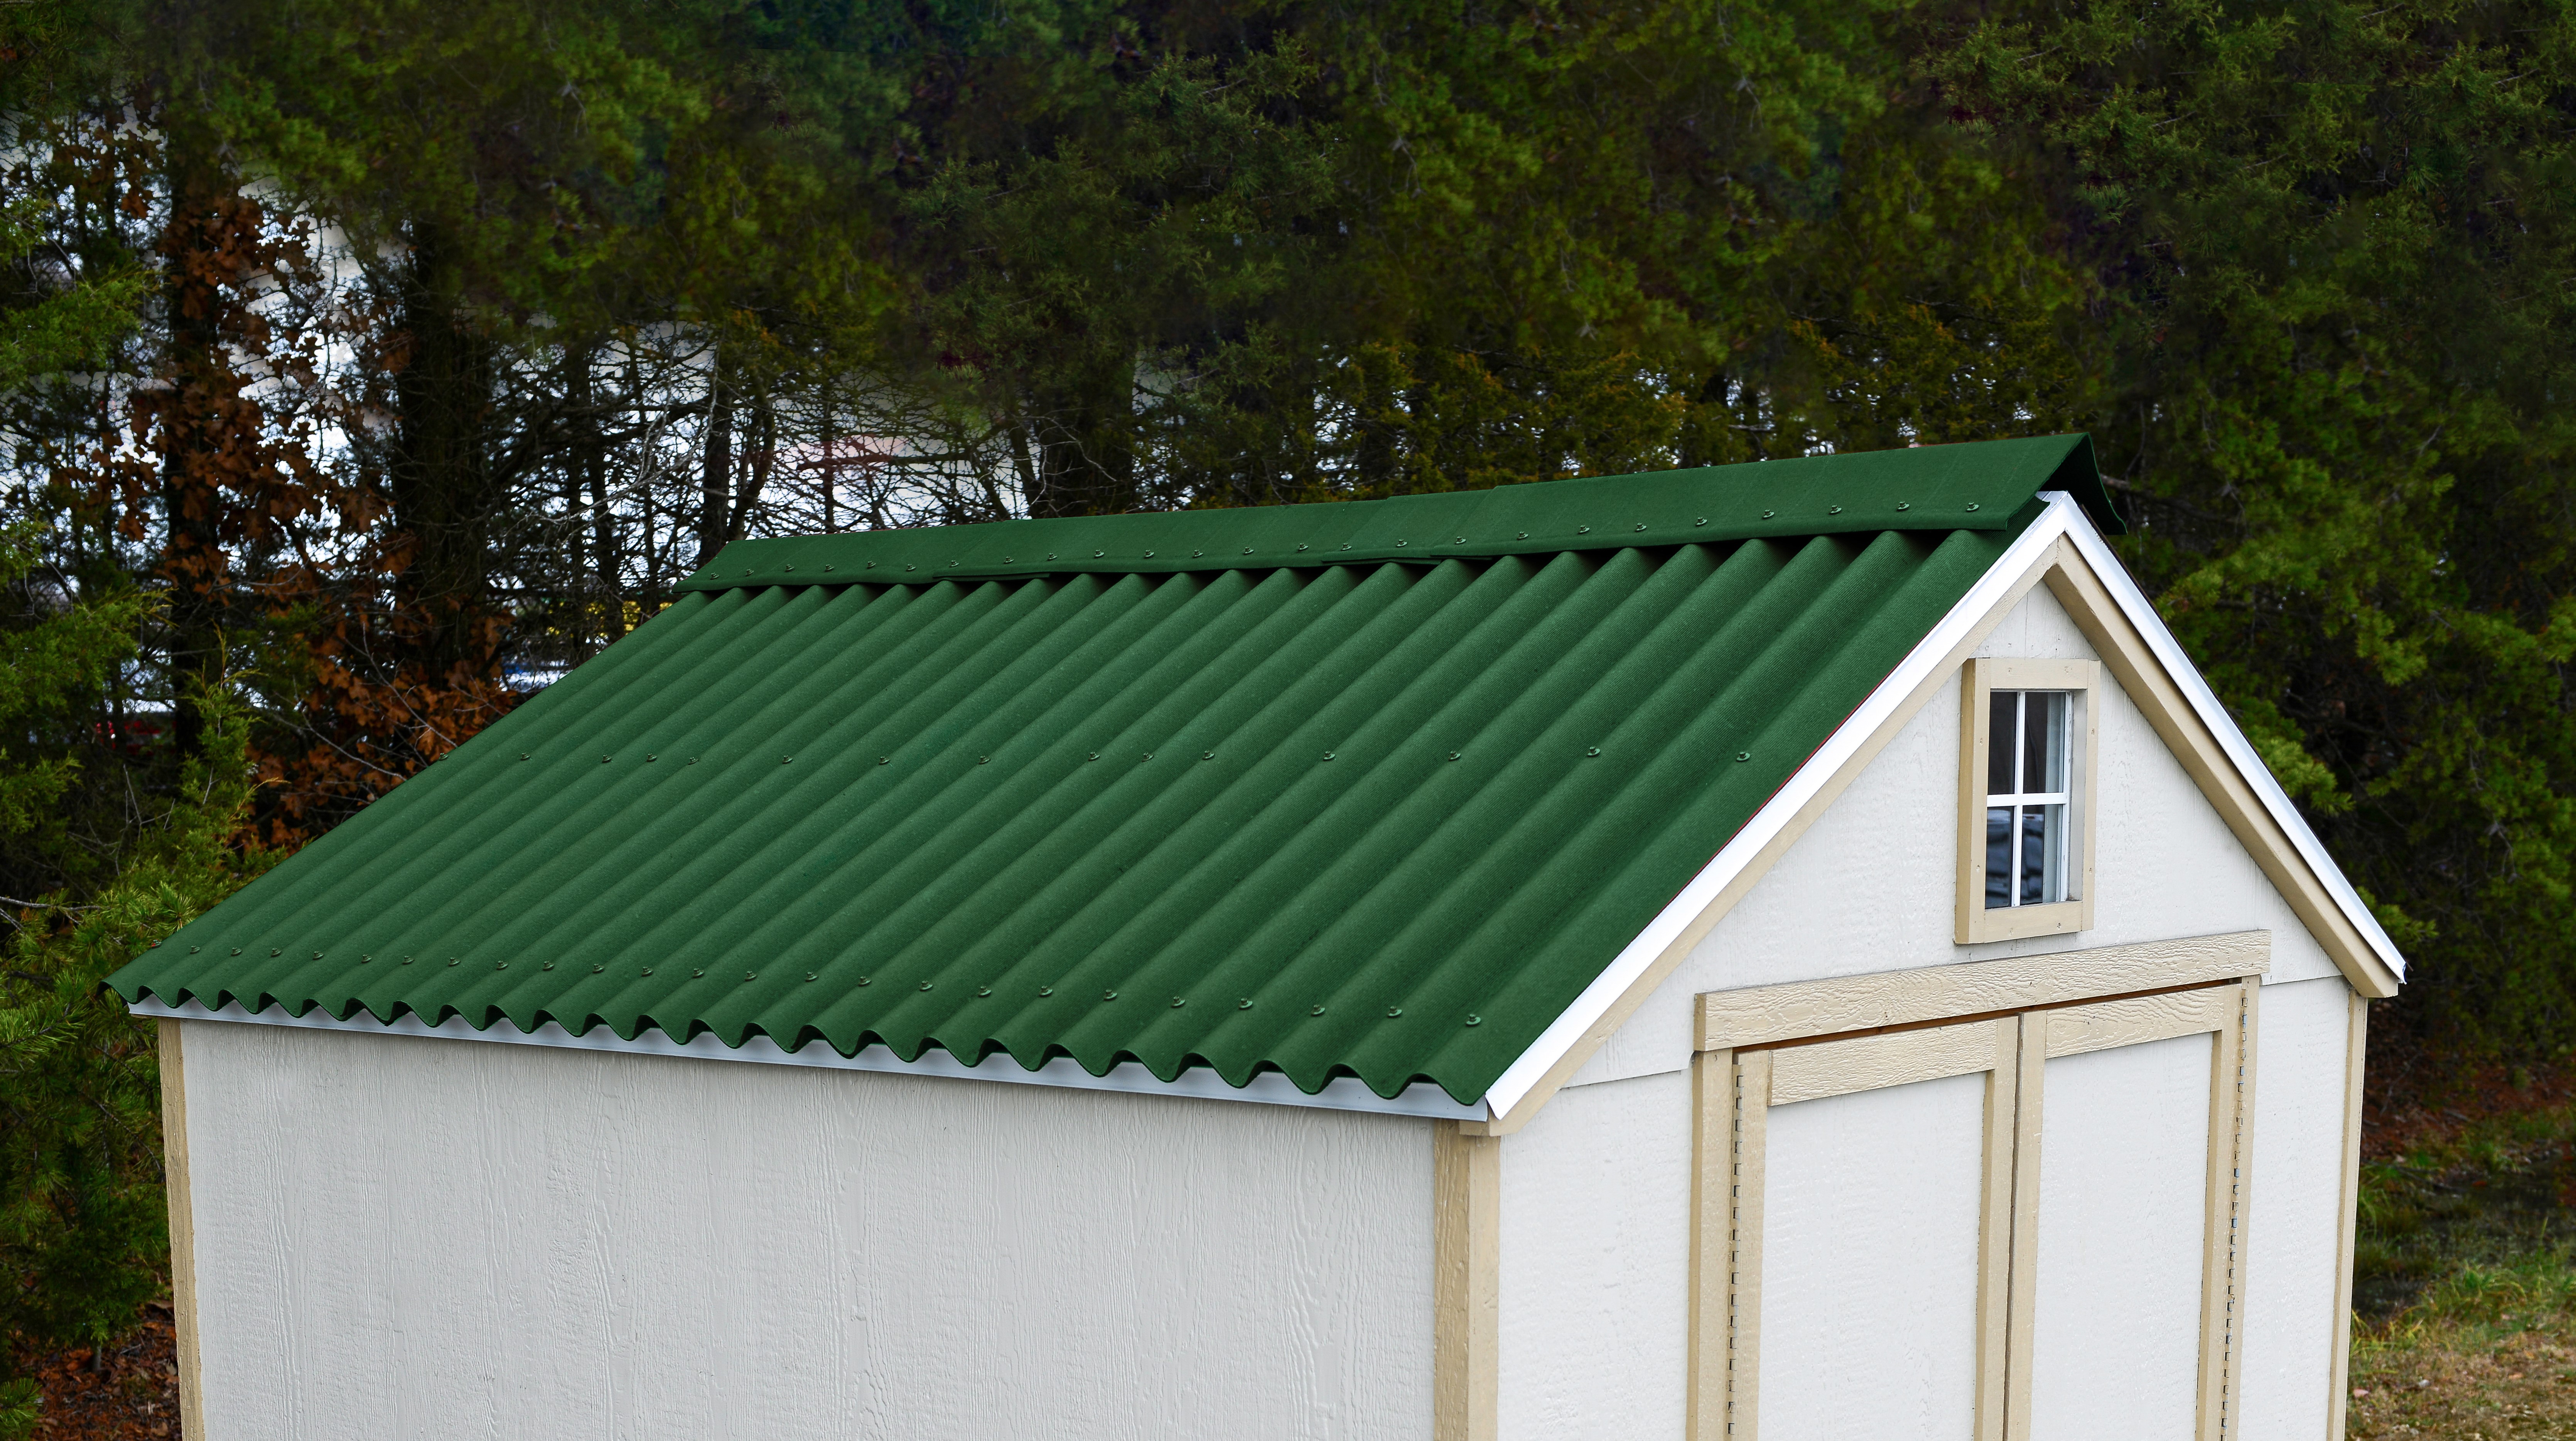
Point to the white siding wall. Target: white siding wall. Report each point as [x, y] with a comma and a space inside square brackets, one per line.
[2295, 1232]
[1596, 1242]
[1869, 887]
[423, 1239]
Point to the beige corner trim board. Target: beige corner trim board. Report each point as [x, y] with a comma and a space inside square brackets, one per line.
[1738, 1081]
[1467, 1266]
[2356, 1040]
[183, 1224]
[2061, 548]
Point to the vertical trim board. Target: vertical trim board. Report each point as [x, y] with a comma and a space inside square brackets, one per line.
[183, 1225]
[1466, 1268]
[2356, 1040]
[1711, 1223]
[1751, 1107]
[1995, 1232]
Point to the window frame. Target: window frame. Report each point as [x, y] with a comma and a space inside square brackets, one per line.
[1978, 681]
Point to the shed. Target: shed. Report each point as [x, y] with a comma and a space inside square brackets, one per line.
[1782, 950]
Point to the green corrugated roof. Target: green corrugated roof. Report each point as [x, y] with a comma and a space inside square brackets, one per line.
[1381, 811]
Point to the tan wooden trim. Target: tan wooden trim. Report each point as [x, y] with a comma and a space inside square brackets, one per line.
[1467, 1251]
[1995, 1230]
[2030, 1083]
[183, 1226]
[2218, 1217]
[1752, 1105]
[1764, 1015]
[2144, 678]
[2140, 1019]
[1871, 1063]
[1754, 870]
[2240, 1204]
[1711, 1224]
[2357, 1036]
[1978, 679]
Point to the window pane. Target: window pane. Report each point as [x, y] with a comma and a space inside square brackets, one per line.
[1999, 857]
[2034, 741]
[2034, 853]
[2048, 718]
[2052, 888]
[2003, 705]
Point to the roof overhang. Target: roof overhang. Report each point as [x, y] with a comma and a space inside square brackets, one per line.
[2063, 549]
[1198, 1083]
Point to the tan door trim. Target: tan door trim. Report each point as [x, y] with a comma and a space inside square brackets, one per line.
[183, 1225]
[1466, 1266]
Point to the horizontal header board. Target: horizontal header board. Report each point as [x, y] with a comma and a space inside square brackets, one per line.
[1382, 819]
[1984, 486]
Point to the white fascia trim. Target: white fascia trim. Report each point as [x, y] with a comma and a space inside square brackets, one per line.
[2063, 517]
[1270, 1088]
[2141, 612]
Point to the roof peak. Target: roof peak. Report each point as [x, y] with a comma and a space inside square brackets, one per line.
[1978, 485]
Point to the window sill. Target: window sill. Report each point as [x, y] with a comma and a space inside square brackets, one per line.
[2012, 923]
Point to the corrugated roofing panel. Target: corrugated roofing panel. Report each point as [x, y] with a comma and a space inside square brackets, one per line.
[1384, 818]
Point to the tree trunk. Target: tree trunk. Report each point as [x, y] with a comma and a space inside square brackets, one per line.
[715, 481]
[443, 488]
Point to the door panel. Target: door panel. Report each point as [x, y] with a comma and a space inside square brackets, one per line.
[1872, 1205]
[2116, 1334]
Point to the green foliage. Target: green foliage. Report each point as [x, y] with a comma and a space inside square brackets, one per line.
[2333, 247]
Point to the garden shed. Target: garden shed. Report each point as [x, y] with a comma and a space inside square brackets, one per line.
[1789, 949]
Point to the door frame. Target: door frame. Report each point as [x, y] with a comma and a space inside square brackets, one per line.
[1777, 1045]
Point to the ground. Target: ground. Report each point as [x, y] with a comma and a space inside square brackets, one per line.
[2465, 1268]
[129, 1394]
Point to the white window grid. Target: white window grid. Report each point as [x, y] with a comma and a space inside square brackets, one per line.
[2056, 876]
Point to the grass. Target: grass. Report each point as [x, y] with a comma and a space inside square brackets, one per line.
[2465, 1281]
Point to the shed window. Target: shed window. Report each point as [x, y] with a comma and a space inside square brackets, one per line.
[2026, 767]
[2027, 797]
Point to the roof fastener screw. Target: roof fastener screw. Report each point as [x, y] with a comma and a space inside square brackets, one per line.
[652, 758]
[697, 973]
[1046, 990]
[863, 980]
[881, 760]
[1149, 555]
[871, 565]
[406, 959]
[787, 760]
[1097, 554]
[1524, 535]
[500, 965]
[983, 760]
[548, 966]
[1108, 995]
[236, 950]
[1095, 755]
[1301, 545]
[603, 760]
[1006, 560]
[595, 970]
[1592, 750]
[1641, 525]
[693, 760]
[523, 755]
[192, 950]
[1972, 505]
[648, 970]
[1833, 510]
[1207, 755]
[1050, 555]
[809, 975]
[925, 985]
[1766, 515]
[1703, 520]
[1244, 1005]
[1177, 1003]
[952, 565]
[1196, 554]
[1394, 1011]
[827, 570]
[983, 990]
[1247, 550]
[1453, 755]
[317, 955]
[1328, 755]
[1475, 1020]
[751, 975]
[1149, 755]
[1583, 530]
[907, 567]
[1316, 1012]
[362, 960]
[1744, 755]
[1400, 544]
[1901, 505]
[451, 960]
[788, 568]
[272, 951]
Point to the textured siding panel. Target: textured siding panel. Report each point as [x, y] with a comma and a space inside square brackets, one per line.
[1385, 819]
